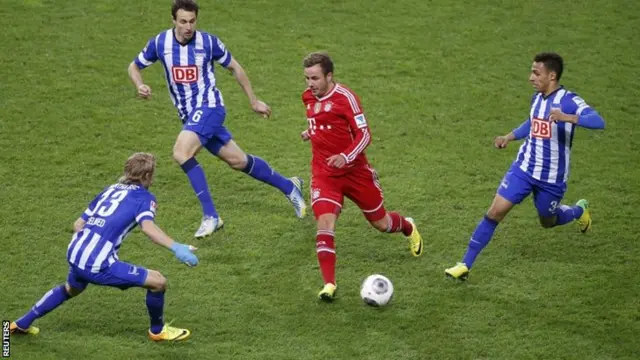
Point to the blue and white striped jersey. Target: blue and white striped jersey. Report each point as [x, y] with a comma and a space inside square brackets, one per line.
[109, 219]
[188, 68]
[546, 152]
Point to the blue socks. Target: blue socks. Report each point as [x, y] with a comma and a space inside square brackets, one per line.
[51, 300]
[260, 170]
[567, 214]
[480, 238]
[155, 306]
[199, 184]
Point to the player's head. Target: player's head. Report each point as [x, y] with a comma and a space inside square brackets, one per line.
[185, 16]
[139, 169]
[318, 72]
[546, 71]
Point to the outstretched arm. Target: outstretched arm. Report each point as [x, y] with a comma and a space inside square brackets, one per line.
[243, 80]
[181, 251]
[518, 133]
[136, 78]
[156, 234]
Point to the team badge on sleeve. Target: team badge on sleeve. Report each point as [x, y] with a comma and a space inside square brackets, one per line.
[361, 121]
[153, 206]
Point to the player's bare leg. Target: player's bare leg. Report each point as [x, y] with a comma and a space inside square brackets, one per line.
[185, 149]
[481, 237]
[260, 170]
[393, 222]
[49, 302]
[326, 252]
[156, 285]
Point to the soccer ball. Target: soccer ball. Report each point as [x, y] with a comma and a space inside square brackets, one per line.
[376, 290]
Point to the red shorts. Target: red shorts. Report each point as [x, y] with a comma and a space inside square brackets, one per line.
[360, 185]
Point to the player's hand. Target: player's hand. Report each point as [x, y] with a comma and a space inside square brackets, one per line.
[261, 108]
[338, 161]
[501, 142]
[184, 253]
[144, 91]
[305, 135]
[557, 115]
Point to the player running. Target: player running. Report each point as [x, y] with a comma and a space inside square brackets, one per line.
[188, 56]
[92, 253]
[339, 134]
[542, 164]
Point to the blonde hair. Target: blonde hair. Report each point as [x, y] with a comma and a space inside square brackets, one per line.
[138, 167]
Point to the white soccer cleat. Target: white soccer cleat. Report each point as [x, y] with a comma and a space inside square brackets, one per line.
[296, 198]
[208, 226]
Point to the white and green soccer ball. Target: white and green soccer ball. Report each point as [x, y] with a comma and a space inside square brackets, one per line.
[376, 290]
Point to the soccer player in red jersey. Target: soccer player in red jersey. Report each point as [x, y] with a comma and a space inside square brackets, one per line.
[339, 134]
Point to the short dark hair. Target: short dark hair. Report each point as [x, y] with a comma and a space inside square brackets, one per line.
[319, 58]
[186, 5]
[552, 61]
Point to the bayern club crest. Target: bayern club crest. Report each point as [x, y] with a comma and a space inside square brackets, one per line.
[317, 107]
[327, 107]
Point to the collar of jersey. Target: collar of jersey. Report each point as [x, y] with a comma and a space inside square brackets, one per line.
[553, 92]
[173, 32]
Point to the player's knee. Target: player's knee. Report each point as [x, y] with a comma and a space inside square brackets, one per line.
[237, 161]
[180, 156]
[156, 281]
[326, 222]
[496, 214]
[72, 291]
[547, 222]
[381, 225]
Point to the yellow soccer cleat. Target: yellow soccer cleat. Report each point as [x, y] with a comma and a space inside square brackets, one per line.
[415, 240]
[328, 292]
[459, 272]
[584, 222]
[31, 330]
[170, 333]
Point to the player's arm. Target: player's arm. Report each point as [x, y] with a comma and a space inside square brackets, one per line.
[222, 56]
[79, 224]
[518, 133]
[82, 220]
[576, 111]
[144, 90]
[145, 58]
[145, 216]
[359, 128]
[181, 251]
[156, 234]
[243, 80]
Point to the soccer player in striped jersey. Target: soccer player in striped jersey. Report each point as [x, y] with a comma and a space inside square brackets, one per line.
[339, 134]
[188, 57]
[542, 164]
[92, 253]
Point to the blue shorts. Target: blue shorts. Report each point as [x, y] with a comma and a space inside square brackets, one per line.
[208, 123]
[120, 274]
[517, 185]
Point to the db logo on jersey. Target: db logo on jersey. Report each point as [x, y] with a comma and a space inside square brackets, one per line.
[184, 74]
[541, 128]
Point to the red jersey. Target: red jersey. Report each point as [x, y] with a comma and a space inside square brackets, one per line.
[337, 125]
